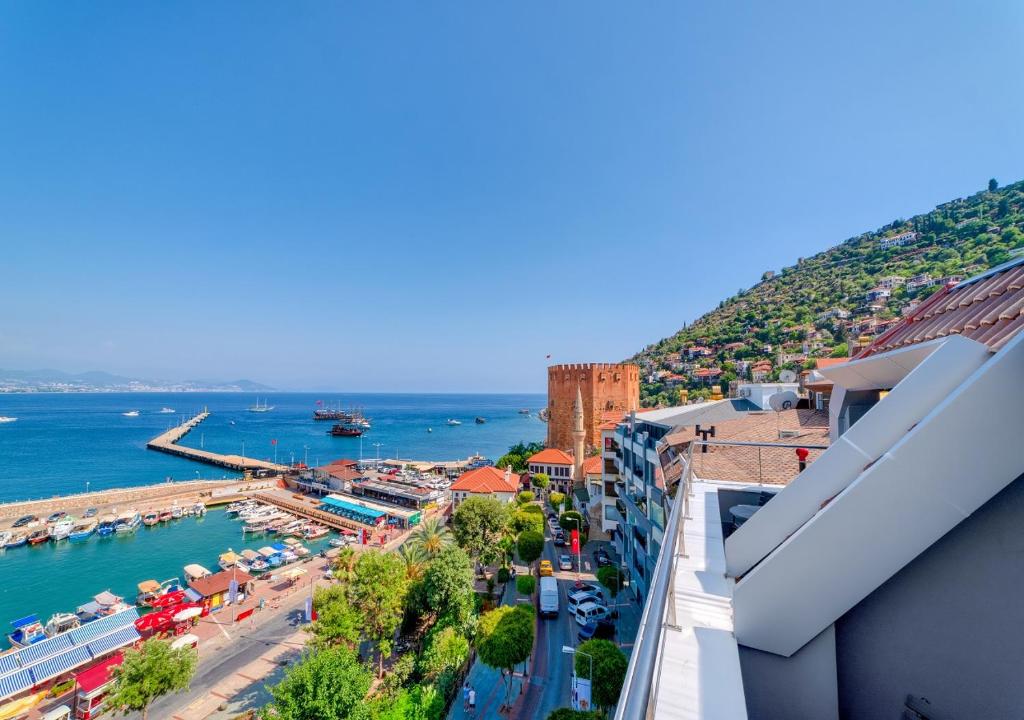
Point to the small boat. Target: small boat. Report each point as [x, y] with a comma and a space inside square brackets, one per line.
[38, 536]
[453, 422]
[231, 422]
[195, 572]
[7, 419]
[60, 623]
[104, 604]
[5, 537]
[16, 540]
[312, 532]
[27, 630]
[148, 590]
[480, 420]
[150, 518]
[105, 527]
[255, 561]
[62, 528]
[176, 512]
[164, 516]
[336, 542]
[128, 523]
[430, 429]
[82, 531]
[199, 509]
[229, 559]
[131, 413]
[524, 411]
[257, 408]
[166, 411]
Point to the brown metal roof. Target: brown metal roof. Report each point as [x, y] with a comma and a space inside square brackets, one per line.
[989, 309]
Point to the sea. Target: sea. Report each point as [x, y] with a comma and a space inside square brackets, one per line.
[64, 443]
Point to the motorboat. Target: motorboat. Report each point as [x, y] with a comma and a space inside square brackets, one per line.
[255, 561]
[199, 509]
[131, 413]
[39, 536]
[312, 532]
[480, 420]
[7, 419]
[166, 411]
[128, 523]
[104, 604]
[16, 540]
[271, 556]
[60, 623]
[524, 411]
[176, 512]
[453, 422]
[150, 519]
[164, 516]
[27, 630]
[229, 559]
[195, 572]
[337, 542]
[82, 531]
[5, 537]
[105, 527]
[62, 528]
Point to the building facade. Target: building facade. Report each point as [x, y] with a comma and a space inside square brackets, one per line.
[603, 387]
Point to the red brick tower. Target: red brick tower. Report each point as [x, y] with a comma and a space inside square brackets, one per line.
[604, 387]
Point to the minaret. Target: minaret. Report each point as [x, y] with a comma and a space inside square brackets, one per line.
[578, 437]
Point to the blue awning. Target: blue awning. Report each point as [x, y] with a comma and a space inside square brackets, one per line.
[45, 649]
[279, 546]
[87, 632]
[60, 664]
[339, 506]
[22, 622]
[15, 683]
[193, 595]
[9, 663]
[124, 636]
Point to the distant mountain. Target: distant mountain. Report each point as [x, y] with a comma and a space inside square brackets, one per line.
[830, 304]
[49, 380]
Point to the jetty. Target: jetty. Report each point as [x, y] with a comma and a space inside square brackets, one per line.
[167, 442]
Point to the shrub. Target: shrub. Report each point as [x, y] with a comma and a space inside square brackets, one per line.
[526, 584]
[525, 497]
[556, 499]
[503, 575]
[572, 520]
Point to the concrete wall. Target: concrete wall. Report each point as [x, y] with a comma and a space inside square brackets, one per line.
[948, 627]
[800, 687]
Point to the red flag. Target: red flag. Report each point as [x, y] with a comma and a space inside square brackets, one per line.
[319, 402]
[273, 442]
[243, 615]
[575, 536]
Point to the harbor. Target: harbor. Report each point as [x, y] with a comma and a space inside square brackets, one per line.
[167, 442]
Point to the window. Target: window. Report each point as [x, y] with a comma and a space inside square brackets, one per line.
[610, 513]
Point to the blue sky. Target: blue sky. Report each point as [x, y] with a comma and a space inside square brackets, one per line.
[434, 196]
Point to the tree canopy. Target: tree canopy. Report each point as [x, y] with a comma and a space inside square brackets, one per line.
[329, 684]
[478, 524]
[430, 536]
[155, 669]
[612, 578]
[540, 480]
[529, 546]
[505, 638]
[609, 670]
[378, 592]
[571, 520]
[337, 622]
[448, 583]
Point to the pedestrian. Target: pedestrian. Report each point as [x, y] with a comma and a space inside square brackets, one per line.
[472, 701]
[465, 696]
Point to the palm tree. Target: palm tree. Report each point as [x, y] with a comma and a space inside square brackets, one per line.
[345, 564]
[431, 537]
[415, 560]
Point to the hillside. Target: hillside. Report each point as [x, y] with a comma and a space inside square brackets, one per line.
[828, 304]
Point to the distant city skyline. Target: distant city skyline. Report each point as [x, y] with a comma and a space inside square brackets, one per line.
[349, 198]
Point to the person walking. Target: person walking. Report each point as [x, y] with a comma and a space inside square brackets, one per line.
[472, 702]
[465, 696]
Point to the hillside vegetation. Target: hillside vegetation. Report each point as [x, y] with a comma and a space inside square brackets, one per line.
[828, 304]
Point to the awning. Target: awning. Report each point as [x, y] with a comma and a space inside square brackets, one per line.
[187, 614]
[60, 664]
[98, 675]
[121, 638]
[293, 573]
[193, 595]
[171, 598]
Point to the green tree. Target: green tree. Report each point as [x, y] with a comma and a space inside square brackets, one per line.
[446, 649]
[529, 546]
[329, 684]
[448, 584]
[505, 638]
[993, 185]
[513, 460]
[378, 592]
[415, 561]
[345, 564]
[150, 672]
[478, 524]
[530, 517]
[526, 584]
[431, 536]
[525, 497]
[609, 670]
[840, 350]
[572, 520]
[570, 714]
[540, 480]
[611, 577]
[556, 499]
[337, 622]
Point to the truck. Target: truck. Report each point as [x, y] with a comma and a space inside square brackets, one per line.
[548, 597]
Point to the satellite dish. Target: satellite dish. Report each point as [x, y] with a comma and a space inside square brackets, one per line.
[783, 401]
[787, 376]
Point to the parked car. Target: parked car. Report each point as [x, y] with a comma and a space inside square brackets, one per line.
[581, 598]
[565, 562]
[560, 539]
[588, 586]
[545, 568]
[591, 612]
[604, 629]
[54, 517]
[90, 512]
[24, 520]
[602, 558]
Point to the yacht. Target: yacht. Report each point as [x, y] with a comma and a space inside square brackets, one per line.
[131, 413]
[6, 419]
[452, 421]
[61, 622]
[257, 408]
[166, 411]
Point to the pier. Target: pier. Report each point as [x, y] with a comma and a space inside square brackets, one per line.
[168, 443]
[304, 509]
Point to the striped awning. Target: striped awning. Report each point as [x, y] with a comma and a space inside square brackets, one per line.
[15, 683]
[44, 649]
[118, 639]
[87, 632]
[60, 664]
[8, 663]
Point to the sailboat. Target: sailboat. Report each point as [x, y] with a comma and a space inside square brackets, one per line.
[261, 408]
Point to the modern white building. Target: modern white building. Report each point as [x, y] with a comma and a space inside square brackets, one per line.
[885, 580]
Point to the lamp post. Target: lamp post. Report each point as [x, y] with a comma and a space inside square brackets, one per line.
[574, 651]
[305, 458]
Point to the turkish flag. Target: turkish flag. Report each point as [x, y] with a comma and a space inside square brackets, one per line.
[574, 535]
[319, 402]
[244, 615]
[273, 442]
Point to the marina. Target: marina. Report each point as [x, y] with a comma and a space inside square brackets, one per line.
[167, 442]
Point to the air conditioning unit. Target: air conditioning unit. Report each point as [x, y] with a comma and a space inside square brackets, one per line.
[744, 392]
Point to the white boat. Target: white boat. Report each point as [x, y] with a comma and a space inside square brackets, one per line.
[62, 528]
[452, 421]
[229, 559]
[166, 411]
[199, 509]
[176, 512]
[257, 408]
[128, 523]
[195, 572]
[61, 622]
[6, 419]
[131, 413]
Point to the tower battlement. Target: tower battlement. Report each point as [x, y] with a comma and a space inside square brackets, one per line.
[604, 387]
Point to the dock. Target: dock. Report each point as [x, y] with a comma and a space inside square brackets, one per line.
[303, 509]
[167, 442]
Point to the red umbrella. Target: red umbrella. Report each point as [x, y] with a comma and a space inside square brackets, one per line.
[153, 622]
[171, 598]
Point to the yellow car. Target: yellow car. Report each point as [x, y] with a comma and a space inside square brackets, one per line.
[545, 568]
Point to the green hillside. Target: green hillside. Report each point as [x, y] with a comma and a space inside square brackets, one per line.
[826, 304]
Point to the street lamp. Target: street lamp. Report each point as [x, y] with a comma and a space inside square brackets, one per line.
[305, 459]
[568, 650]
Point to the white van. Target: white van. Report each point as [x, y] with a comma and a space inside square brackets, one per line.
[579, 598]
[548, 597]
[591, 612]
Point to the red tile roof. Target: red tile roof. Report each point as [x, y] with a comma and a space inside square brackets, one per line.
[828, 362]
[593, 465]
[486, 480]
[989, 309]
[551, 456]
[220, 582]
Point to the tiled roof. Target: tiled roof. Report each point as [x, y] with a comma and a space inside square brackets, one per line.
[593, 465]
[551, 456]
[989, 309]
[486, 480]
[220, 582]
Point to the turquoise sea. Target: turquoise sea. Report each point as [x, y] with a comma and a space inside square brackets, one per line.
[61, 442]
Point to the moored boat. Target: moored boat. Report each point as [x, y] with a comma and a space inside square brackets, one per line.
[27, 630]
[194, 571]
[128, 523]
[199, 509]
[228, 560]
[314, 531]
[165, 515]
[176, 512]
[5, 537]
[101, 605]
[150, 518]
[105, 527]
[82, 531]
[62, 528]
[16, 540]
[61, 622]
[38, 536]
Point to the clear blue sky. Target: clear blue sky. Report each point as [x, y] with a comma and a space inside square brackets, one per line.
[434, 196]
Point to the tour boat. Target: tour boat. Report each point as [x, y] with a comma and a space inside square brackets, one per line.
[257, 408]
[150, 518]
[82, 531]
[7, 419]
[345, 430]
[128, 523]
[38, 536]
[106, 526]
[104, 604]
[61, 622]
[166, 411]
[312, 532]
[452, 421]
[195, 572]
[16, 540]
[131, 413]
[62, 528]
[228, 560]
[27, 630]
